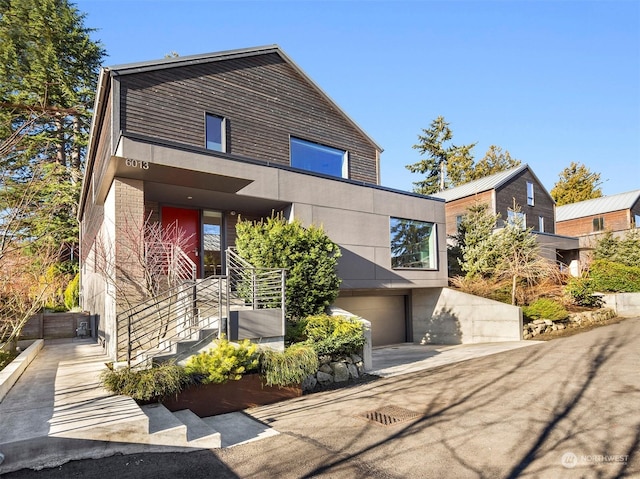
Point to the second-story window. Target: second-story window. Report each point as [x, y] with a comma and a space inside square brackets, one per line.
[530, 201]
[517, 218]
[215, 133]
[319, 158]
[598, 224]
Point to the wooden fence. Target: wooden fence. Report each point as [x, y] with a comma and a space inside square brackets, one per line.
[57, 325]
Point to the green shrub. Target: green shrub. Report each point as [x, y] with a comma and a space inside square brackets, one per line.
[72, 293]
[224, 362]
[146, 384]
[307, 253]
[294, 331]
[608, 276]
[545, 308]
[289, 367]
[581, 292]
[334, 335]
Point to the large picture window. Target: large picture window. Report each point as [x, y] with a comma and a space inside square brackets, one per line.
[319, 158]
[413, 244]
[215, 133]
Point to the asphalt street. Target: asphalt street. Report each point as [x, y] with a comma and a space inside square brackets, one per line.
[567, 408]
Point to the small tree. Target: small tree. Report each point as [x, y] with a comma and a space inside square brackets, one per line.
[625, 250]
[145, 265]
[519, 254]
[308, 255]
[476, 241]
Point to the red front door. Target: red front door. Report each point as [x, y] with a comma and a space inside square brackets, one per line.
[186, 223]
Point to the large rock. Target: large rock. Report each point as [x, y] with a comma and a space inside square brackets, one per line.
[309, 383]
[323, 378]
[353, 371]
[340, 372]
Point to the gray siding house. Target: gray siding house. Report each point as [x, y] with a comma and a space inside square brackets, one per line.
[200, 141]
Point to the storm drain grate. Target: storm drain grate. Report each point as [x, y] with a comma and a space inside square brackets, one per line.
[389, 415]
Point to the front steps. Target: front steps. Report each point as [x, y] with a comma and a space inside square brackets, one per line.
[180, 428]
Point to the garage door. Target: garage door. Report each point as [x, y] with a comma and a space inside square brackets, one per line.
[386, 313]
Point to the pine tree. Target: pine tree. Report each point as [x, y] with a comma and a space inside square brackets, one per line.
[576, 183]
[48, 75]
[494, 161]
[444, 164]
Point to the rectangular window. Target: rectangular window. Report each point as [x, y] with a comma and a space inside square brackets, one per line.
[458, 221]
[541, 224]
[413, 244]
[598, 224]
[215, 133]
[517, 218]
[530, 201]
[636, 220]
[319, 158]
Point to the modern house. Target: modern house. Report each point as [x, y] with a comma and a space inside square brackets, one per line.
[587, 220]
[197, 142]
[516, 191]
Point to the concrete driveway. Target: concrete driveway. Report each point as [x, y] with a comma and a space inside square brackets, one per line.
[565, 408]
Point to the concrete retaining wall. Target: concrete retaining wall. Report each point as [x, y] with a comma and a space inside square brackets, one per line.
[626, 305]
[447, 316]
[10, 374]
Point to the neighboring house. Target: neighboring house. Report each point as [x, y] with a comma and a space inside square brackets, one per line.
[588, 219]
[518, 187]
[200, 141]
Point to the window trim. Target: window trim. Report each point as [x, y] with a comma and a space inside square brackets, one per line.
[432, 243]
[598, 223]
[223, 132]
[317, 145]
[530, 194]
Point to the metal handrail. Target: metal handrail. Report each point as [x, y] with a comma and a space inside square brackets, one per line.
[153, 325]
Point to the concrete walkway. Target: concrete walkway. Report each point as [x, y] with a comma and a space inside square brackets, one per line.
[58, 411]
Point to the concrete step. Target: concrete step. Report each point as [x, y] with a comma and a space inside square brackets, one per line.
[180, 428]
[199, 433]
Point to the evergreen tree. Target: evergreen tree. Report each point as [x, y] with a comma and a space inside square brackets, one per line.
[494, 161]
[576, 183]
[48, 75]
[475, 239]
[445, 165]
[308, 254]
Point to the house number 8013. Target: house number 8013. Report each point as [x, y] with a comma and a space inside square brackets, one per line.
[143, 165]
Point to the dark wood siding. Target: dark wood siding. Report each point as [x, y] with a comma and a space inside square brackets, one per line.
[516, 189]
[263, 99]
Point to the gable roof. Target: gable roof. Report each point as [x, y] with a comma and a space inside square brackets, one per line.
[176, 62]
[598, 206]
[483, 184]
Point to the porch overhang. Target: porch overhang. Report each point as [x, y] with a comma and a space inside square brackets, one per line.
[163, 174]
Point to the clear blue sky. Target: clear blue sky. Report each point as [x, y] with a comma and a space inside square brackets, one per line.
[549, 81]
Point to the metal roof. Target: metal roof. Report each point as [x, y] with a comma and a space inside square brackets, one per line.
[483, 184]
[598, 206]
